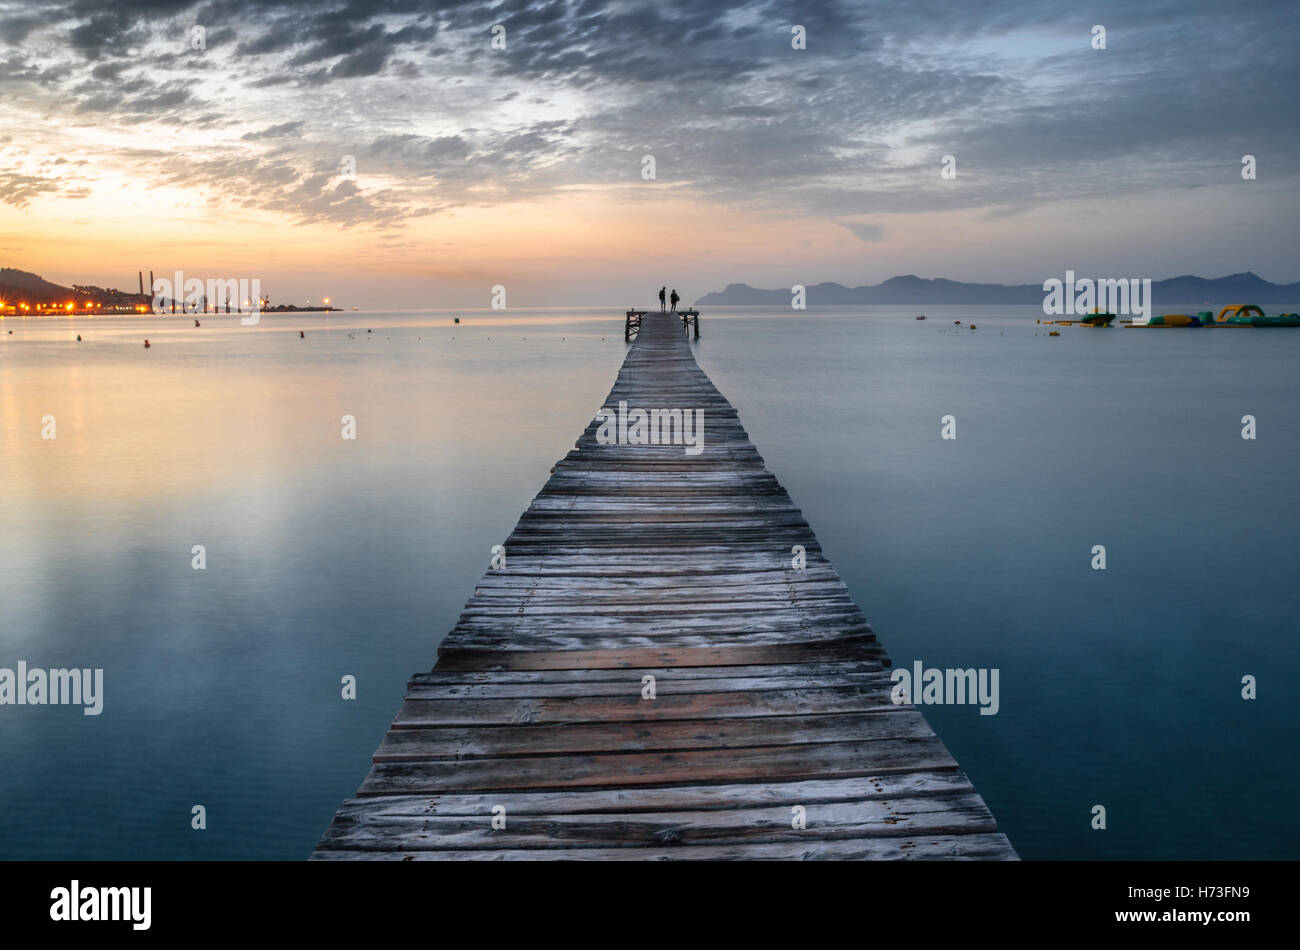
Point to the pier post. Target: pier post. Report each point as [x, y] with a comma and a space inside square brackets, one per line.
[632, 326]
[691, 318]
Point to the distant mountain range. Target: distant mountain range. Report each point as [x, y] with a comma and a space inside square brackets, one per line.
[19, 284]
[910, 290]
[23, 287]
[23, 291]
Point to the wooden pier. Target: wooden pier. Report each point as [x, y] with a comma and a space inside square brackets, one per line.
[690, 318]
[632, 325]
[641, 571]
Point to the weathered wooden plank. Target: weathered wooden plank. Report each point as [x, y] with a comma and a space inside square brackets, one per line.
[410, 745]
[981, 847]
[810, 624]
[793, 607]
[698, 561]
[872, 757]
[766, 595]
[665, 685]
[504, 656]
[775, 552]
[429, 713]
[694, 559]
[824, 667]
[698, 502]
[668, 798]
[947, 815]
[651, 640]
[516, 577]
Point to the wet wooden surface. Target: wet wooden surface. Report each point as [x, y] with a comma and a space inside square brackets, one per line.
[771, 733]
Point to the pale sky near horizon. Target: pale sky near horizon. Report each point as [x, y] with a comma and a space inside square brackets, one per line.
[123, 147]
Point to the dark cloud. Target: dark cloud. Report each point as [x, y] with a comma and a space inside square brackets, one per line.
[19, 190]
[420, 150]
[865, 232]
[14, 29]
[283, 130]
[367, 61]
[312, 196]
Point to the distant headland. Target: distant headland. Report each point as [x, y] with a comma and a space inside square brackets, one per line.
[22, 292]
[910, 290]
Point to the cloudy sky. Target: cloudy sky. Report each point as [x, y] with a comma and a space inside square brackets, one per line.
[384, 153]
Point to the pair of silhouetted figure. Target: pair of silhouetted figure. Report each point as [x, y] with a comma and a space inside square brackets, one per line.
[674, 299]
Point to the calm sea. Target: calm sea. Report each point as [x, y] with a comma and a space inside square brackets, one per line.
[329, 557]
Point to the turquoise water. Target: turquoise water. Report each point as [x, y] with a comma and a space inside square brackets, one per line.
[329, 557]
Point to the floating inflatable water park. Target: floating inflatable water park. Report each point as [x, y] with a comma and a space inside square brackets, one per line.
[1240, 315]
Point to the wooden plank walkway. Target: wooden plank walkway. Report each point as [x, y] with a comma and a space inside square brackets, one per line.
[771, 691]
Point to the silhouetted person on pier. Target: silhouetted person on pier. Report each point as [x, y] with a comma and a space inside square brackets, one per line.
[674, 298]
[661, 299]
